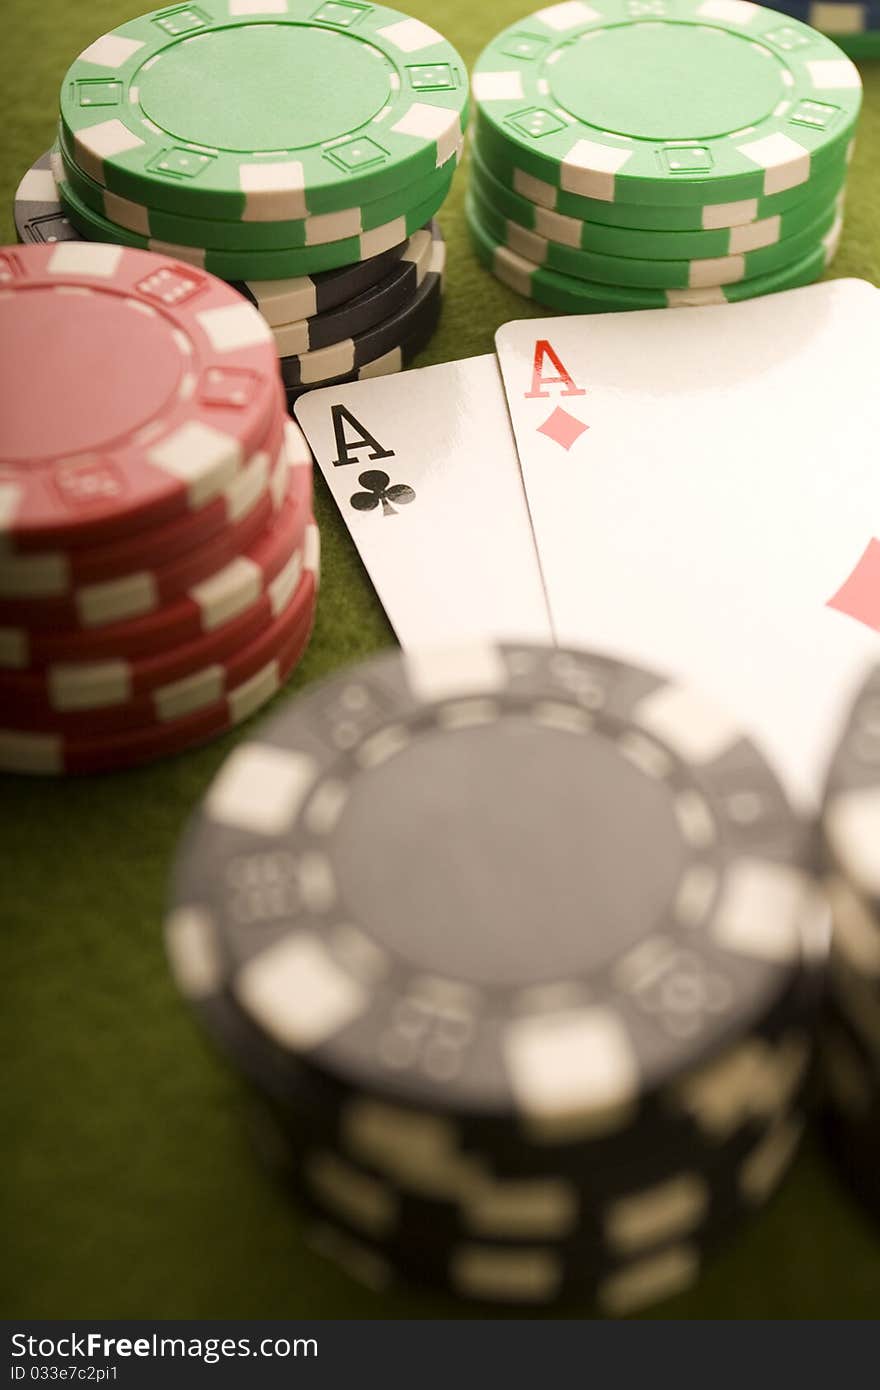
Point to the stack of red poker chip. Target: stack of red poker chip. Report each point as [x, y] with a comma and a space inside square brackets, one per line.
[158, 555]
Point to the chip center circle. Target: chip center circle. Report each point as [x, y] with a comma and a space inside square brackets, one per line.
[667, 81]
[507, 855]
[106, 370]
[264, 87]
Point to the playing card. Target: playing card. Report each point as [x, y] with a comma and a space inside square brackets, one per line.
[705, 493]
[424, 470]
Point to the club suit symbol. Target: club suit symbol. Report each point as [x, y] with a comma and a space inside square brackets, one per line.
[380, 490]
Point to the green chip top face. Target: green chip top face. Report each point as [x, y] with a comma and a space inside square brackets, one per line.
[264, 110]
[622, 100]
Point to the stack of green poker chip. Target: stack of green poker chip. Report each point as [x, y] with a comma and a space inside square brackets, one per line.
[622, 161]
[264, 144]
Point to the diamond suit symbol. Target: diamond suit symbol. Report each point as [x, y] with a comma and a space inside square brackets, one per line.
[859, 594]
[562, 428]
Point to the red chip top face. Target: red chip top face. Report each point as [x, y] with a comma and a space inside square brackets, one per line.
[132, 389]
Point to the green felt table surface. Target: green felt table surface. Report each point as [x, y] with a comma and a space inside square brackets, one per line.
[130, 1188]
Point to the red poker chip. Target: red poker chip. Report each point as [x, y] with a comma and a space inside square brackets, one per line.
[132, 389]
[131, 595]
[230, 596]
[192, 689]
[230, 589]
[44, 574]
[50, 754]
[214, 643]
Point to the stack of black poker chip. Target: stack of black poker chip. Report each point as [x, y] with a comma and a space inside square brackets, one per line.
[518, 949]
[851, 1035]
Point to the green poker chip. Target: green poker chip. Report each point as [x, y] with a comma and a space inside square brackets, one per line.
[704, 102]
[697, 273]
[711, 216]
[210, 233]
[254, 265]
[571, 296]
[264, 115]
[653, 245]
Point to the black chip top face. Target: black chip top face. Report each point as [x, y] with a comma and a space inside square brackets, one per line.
[466, 853]
[515, 880]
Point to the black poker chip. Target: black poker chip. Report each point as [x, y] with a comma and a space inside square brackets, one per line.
[456, 925]
[395, 360]
[645, 1242]
[717, 1111]
[373, 306]
[851, 1113]
[37, 211]
[855, 1150]
[851, 1096]
[341, 358]
[605, 1214]
[850, 1053]
[851, 810]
